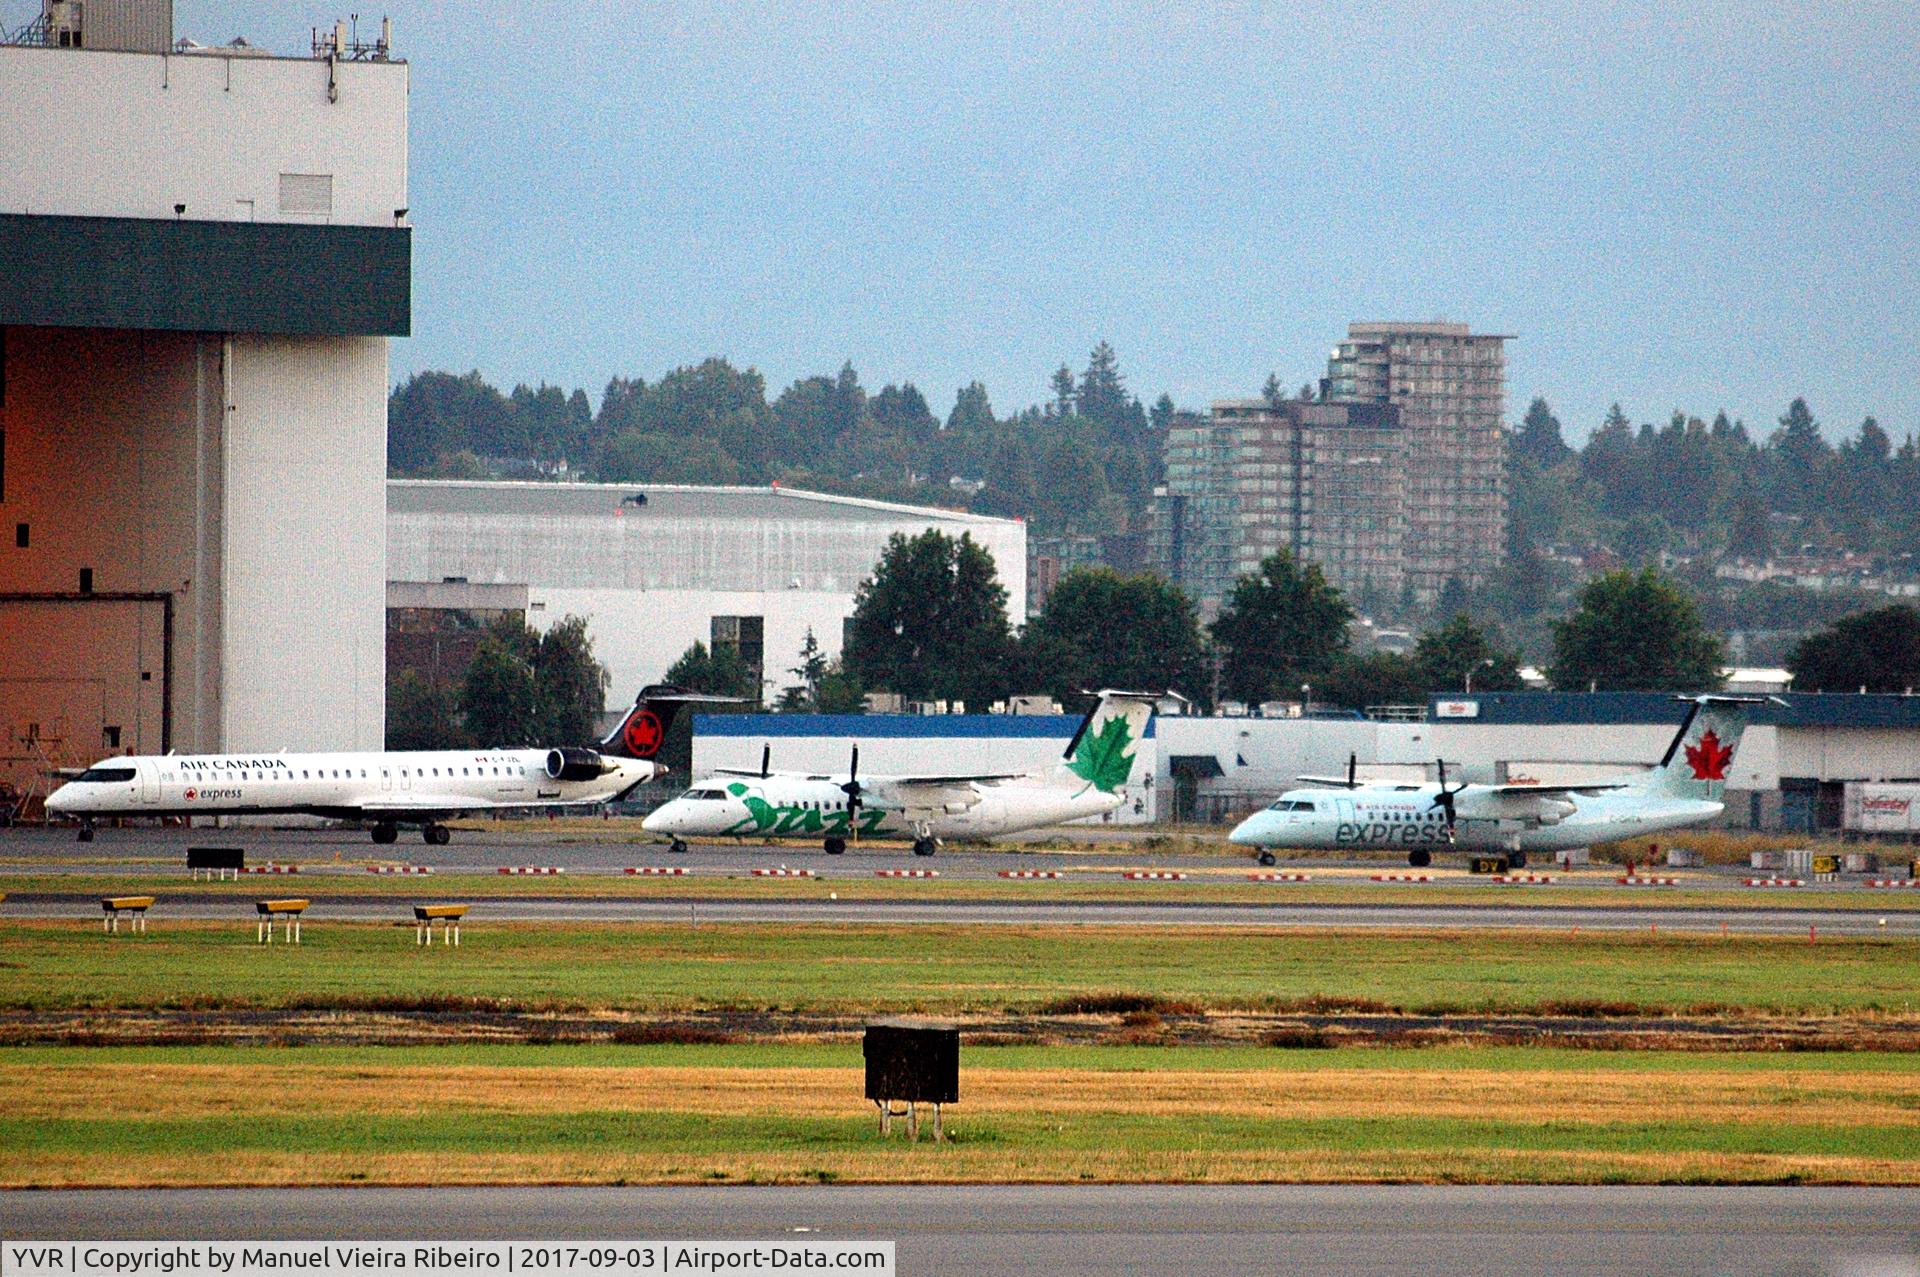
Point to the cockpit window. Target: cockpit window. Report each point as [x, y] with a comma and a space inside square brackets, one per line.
[705, 793]
[1293, 804]
[104, 776]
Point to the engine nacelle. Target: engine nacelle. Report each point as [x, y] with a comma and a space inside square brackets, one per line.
[575, 764]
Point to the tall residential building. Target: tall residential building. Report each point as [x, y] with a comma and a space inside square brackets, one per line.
[1450, 388]
[1321, 480]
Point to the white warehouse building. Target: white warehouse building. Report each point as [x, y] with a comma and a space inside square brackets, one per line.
[654, 569]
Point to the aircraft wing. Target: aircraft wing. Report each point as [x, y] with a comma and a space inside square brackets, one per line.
[1590, 787]
[1331, 782]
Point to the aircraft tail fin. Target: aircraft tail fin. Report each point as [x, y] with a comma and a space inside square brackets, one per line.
[1700, 755]
[644, 729]
[1101, 754]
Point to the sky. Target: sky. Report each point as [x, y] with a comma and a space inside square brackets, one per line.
[1698, 210]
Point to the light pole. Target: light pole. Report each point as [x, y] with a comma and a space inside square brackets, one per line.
[1483, 665]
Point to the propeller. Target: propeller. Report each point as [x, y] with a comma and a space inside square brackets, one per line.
[1444, 799]
[852, 790]
[766, 760]
[1353, 767]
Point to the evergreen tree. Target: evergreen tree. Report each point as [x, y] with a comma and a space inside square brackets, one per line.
[1873, 651]
[1538, 439]
[1102, 629]
[719, 672]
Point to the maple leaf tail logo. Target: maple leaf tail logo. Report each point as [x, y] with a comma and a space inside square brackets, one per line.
[1709, 758]
[1104, 759]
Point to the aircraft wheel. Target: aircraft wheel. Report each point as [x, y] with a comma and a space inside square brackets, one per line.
[835, 846]
[1516, 860]
[384, 834]
[677, 847]
[1420, 858]
[85, 834]
[923, 846]
[435, 835]
[1267, 857]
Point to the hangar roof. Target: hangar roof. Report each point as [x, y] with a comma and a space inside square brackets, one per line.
[1626, 708]
[663, 501]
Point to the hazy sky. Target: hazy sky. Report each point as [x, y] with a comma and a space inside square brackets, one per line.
[1705, 211]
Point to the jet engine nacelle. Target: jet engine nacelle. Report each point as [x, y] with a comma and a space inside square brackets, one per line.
[575, 764]
[1528, 809]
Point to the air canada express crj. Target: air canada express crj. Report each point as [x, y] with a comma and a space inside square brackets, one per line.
[387, 789]
[1684, 788]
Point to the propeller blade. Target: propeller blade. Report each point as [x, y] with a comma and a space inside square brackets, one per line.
[1353, 768]
[766, 760]
[852, 790]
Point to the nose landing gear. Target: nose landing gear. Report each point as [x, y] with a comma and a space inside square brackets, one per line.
[85, 833]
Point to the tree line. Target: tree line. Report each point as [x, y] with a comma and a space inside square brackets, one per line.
[931, 623]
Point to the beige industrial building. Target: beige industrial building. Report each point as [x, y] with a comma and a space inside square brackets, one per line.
[1393, 480]
[203, 252]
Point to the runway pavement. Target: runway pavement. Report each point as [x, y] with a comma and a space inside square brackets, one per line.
[1354, 1231]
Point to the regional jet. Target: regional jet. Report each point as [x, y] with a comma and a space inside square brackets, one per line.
[1684, 788]
[925, 808]
[388, 789]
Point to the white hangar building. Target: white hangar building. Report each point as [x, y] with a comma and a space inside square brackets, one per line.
[654, 569]
[203, 253]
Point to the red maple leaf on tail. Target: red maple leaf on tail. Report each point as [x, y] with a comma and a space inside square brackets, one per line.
[1709, 758]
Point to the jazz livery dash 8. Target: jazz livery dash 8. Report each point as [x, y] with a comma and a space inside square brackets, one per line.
[386, 789]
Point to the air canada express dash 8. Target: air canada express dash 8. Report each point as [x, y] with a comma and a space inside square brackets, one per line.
[386, 789]
[1684, 788]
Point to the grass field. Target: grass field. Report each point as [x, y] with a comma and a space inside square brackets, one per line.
[51, 965]
[795, 1113]
[1593, 889]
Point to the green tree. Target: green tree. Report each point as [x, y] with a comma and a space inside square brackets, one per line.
[633, 457]
[1372, 678]
[1101, 629]
[421, 715]
[720, 672]
[1800, 457]
[1280, 627]
[500, 699]
[1539, 440]
[931, 622]
[1460, 654]
[570, 684]
[1750, 536]
[1635, 631]
[972, 410]
[840, 693]
[1873, 651]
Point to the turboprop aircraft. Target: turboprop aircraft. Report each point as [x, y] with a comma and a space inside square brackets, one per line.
[389, 789]
[1684, 789]
[770, 804]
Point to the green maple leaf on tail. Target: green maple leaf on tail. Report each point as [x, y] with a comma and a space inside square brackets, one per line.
[1104, 759]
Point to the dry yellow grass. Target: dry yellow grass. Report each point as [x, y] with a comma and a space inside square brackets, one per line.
[1593, 1096]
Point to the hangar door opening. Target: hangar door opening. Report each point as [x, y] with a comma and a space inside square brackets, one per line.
[86, 675]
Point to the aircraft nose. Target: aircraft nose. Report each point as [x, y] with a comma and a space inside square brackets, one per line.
[57, 800]
[660, 821]
[1247, 832]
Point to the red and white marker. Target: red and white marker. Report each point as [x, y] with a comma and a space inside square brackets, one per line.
[665, 871]
[1289, 877]
[1403, 877]
[270, 869]
[783, 872]
[399, 869]
[1893, 882]
[1154, 875]
[1523, 878]
[1774, 882]
[532, 869]
[906, 873]
[1647, 880]
[1029, 873]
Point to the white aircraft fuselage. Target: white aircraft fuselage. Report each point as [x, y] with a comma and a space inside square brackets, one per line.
[806, 807]
[1405, 817]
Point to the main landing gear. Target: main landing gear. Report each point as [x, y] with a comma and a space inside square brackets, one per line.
[434, 835]
[924, 846]
[834, 846]
[383, 833]
[1420, 858]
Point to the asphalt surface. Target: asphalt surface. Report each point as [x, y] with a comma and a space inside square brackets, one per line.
[1354, 1231]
